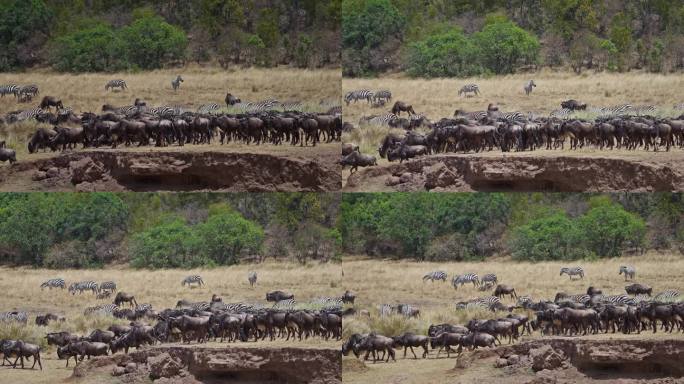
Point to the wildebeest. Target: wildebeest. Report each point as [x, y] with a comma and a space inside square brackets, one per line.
[88, 348]
[573, 105]
[400, 107]
[348, 297]
[123, 297]
[252, 277]
[232, 100]
[446, 340]
[503, 289]
[376, 343]
[478, 339]
[356, 159]
[22, 349]
[348, 148]
[638, 289]
[405, 152]
[50, 101]
[277, 296]
[7, 154]
[44, 320]
[60, 338]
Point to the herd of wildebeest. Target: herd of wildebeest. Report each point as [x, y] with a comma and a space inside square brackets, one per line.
[187, 322]
[618, 127]
[267, 121]
[587, 313]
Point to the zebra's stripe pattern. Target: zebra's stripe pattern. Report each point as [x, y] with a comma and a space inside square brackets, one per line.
[435, 275]
[382, 120]
[572, 271]
[105, 309]
[9, 89]
[386, 310]
[29, 114]
[628, 270]
[18, 316]
[524, 301]
[287, 304]
[383, 94]
[83, 286]
[30, 89]
[117, 83]
[54, 283]
[465, 278]
[667, 295]
[327, 303]
[562, 113]
[487, 302]
[491, 278]
[292, 105]
[469, 88]
[208, 108]
[108, 286]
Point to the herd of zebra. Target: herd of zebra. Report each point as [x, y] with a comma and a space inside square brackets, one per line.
[186, 322]
[567, 314]
[24, 93]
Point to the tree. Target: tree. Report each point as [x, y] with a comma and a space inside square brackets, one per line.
[608, 229]
[25, 25]
[172, 244]
[554, 237]
[150, 41]
[98, 48]
[444, 55]
[226, 235]
[503, 46]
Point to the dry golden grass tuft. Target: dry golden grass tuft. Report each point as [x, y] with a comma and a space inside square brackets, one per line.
[387, 281]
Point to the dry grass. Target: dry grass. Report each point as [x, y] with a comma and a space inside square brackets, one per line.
[85, 92]
[376, 282]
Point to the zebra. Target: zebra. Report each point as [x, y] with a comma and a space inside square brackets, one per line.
[18, 316]
[644, 109]
[491, 278]
[468, 88]
[327, 303]
[239, 307]
[166, 110]
[208, 108]
[524, 301]
[466, 278]
[53, 283]
[513, 116]
[678, 106]
[529, 87]
[175, 84]
[28, 114]
[574, 271]
[292, 105]
[408, 310]
[383, 94]
[83, 286]
[386, 310]
[105, 309]
[619, 300]
[128, 110]
[581, 298]
[562, 113]
[118, 83]
[30, 89]
[193, 279]
[287, 304]
[381, 120]
[488, 302]
[200, 306]
[108, 286]
[361, 94]
[9, 89]
[628, 271]
[667, 295]
[252, 278]
[263, 106]
[435, 275]
[143, 307]
[477, 115]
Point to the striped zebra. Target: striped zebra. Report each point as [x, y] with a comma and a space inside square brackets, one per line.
[628, 270]
[581, 298]
[361, 94]
[562, 113]
[252, 278]
[18, 316]
[240, 307]
[488, 302]
[529, 86]
[524, 301]
[193, 279]
[678, 106]
[642, 298]
[29, 114]
[109, 286]
[616, 110]
[644, 109]
[9, 89]
[208, 108]
[490, 278]
[466, 278]
[117, 83]
[667, 295]
[292, 106]
[30, 89]
[408, 310]
[476, 115]
[175, 84]
[285, 305]
[83, 286]
[382, 120]
[262, 106]
[513, 116]
[573, 271]
[105, 309]
[619, 300]
[469, 88]
[143, 307]
[53, 283]
[327, 303]
[435, 275]
[127, 110]
[386, 310]
[383, 94]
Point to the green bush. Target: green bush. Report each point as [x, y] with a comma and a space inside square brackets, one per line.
[93, 49]
[503, 46]
[608, 229]
[226, 235]
[21, 20]
[150, 41]
[444, 55]
[172, 244]
[554, 237]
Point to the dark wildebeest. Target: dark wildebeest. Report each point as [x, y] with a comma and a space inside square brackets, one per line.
[376, 343]
[277, 296]
[410, 340]
[231, 100]
[636, 289]
[446, 340]
[478, 339]
[356, 159]
[573, 105]
[67, 352]
[405, 152]
[44, 320]
[21, 350]
[435, 330]
[503, 289]
[591, 291]
[88, 348]
[123, 297]
[348, 297]
[101, 336]
[49, 101]
[348, 148]
[8, 154]
[60, 338]
[400, 107]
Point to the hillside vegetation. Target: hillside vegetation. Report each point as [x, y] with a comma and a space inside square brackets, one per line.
[105, 35]
[165, 230]
[528, 227]
[473, 37]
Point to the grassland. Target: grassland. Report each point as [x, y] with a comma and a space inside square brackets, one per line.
[85, 92]
[161, 288]
[386, 281]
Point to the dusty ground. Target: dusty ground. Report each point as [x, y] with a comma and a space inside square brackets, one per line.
[586, 170]
[160, 288]
[385, 281]
[190, 168]
[308, 168]
[552, 170]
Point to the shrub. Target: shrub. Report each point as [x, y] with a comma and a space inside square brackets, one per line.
[94, 49]
[608, 229]
[23, 23]
[150, 41]
[503, 46]
[444, 55]
[553, 237]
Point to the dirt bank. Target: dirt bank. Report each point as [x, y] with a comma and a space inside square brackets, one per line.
[174, 170]
[636, 172]
[195, 365]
